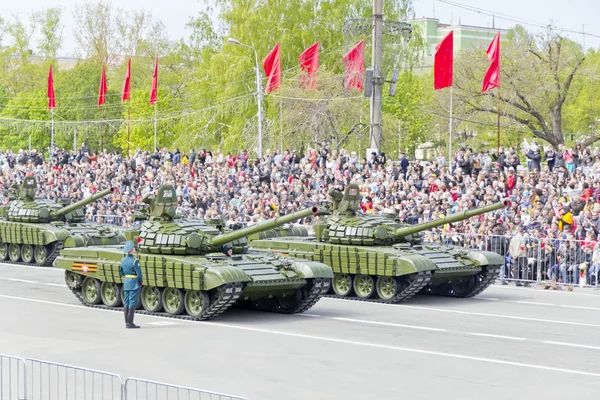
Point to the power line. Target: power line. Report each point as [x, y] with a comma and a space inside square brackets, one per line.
[512, 18]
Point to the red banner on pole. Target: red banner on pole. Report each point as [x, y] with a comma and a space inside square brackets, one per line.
[272, 67]
[103, 88]
[126, 84]
[154, 91]
[492, 76]
[309, 62]
[443, 62]
[354, 62]
[51, 99]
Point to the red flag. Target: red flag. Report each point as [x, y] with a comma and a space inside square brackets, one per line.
[51, 99]
[125, 95]
[154, 90]
[103, 90]
[443, 62]
[272, 67]
[309, 62]
[492, 76]
[354, 61]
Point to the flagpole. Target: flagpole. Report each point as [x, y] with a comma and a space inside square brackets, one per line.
[52, 136]
[450, 141]
[498, 119]
[153, 150]
[128, 126]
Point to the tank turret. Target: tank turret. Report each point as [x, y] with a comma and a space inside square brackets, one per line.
[166, 233]
[345, 225]
[28, 208]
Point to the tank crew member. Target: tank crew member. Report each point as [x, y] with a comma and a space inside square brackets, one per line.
[130, 269]
[228, 250]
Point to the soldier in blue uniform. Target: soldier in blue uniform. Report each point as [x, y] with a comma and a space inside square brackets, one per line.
[130, 269]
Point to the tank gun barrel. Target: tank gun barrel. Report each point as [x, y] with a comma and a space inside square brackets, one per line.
[81, 203]
[263, 226]
[460, 216]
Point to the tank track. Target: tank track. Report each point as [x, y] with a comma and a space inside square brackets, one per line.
[313, 292]
[422, 280]
[58, 245]
[225, 297]
[488, 277]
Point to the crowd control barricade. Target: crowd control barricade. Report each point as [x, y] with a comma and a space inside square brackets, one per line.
[13, 378]
[542, 260]
[141, 389]
[49, 380]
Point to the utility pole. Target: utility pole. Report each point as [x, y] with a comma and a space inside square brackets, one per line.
[376, 96]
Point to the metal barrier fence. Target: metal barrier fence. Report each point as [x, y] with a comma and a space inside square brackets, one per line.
[541, 260]
[50, 380]
[13, 378]
[150, 390]
[31, 379]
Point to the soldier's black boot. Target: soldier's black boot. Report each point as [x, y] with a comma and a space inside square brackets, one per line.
[130, 323]
[126, 313]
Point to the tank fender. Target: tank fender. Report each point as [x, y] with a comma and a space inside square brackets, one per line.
[51, 236]
[311, 269]
[410, 263]
[222, 275]
[485, 257]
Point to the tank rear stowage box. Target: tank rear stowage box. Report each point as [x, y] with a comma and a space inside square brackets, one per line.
[375, 258]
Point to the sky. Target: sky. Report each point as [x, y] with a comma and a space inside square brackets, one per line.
[574, 15]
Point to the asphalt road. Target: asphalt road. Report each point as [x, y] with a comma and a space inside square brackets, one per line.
[507, 343]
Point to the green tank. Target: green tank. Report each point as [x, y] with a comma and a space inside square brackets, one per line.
[188, 272]
[375, 258]
[34, 230]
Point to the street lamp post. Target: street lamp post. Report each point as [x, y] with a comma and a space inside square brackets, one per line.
[258, 92]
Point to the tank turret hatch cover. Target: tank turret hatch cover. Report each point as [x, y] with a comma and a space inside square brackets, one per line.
[350, 201]
[164, 204]
[28, 188]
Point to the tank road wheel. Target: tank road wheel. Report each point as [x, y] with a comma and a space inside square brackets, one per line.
[27, 253]
[364, 286]
[41, 254]
[387, 288]
[111, 294]
[14, 252]
[3, 251]
[196, 302]
[173, 300]
[152, 298]
[73, 281]
[91, 291]
[464, 287]
[342, 284]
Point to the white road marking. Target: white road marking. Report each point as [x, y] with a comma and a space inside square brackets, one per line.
[534, 303]
[495, 336]
[447, 310]
[39, 268]
[351, 342]
[163, 323]
[20, 280]
[544, 291]
[361, 321]
[581, 307]
[583, 346]
[310, 315]
[61, 285]
[486, 298]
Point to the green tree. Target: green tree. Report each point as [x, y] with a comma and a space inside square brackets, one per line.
[532, 97]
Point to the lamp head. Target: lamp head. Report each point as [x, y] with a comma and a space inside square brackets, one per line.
[233, 41]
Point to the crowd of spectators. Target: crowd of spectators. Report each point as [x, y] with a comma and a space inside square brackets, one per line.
[555, 195]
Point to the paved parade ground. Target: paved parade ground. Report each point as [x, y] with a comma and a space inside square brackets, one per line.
[507, 343]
